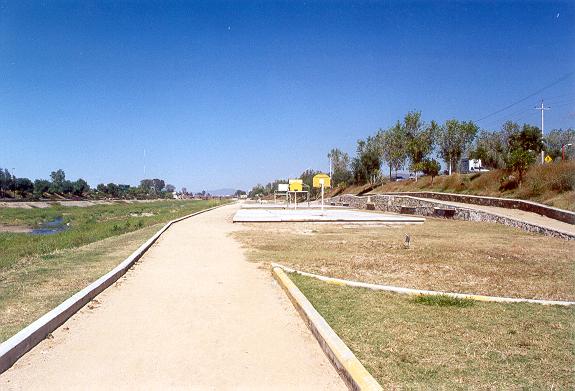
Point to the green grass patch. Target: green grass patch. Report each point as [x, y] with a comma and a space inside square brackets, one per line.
[442, 301]
[87, 224]
[407, 345]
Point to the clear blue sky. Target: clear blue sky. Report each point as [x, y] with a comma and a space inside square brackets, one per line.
[228, 94]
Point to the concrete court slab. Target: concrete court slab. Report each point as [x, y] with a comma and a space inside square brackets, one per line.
[303, 205]
[315, 215]
[192, 314]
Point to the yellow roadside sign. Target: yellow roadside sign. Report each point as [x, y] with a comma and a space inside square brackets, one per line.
[295, 185]
[548, 159]
[319, 178]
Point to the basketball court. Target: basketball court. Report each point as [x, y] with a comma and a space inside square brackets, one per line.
[278, 214]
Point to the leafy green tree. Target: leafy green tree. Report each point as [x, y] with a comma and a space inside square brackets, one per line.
[491, 148]
[307, 178]
[80, 187]
[158, 185]
[67, 187]
[146, 185]
[257, 191]
[454, 138]
[58, 177]
[341, 174]
[24, 185]
[101, 188]
[366, 165]
[556, 139]
[6, 181]
[170, 188]
[519, 161]
[528, 138]
[392, 147]
[113, 190]
[420, 138]
[430, 167]
[41, 186]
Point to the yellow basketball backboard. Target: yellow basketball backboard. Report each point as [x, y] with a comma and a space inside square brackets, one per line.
[319, 178]
[295, 185]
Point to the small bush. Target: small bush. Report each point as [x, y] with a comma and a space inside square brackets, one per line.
[442, 301]
[508, 183]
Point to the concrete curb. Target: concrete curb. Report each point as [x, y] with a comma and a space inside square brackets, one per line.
[410, 291]
[351, 370]
[23, 341]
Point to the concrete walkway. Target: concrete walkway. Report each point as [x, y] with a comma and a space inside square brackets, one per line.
[515, 214]
[192, 314]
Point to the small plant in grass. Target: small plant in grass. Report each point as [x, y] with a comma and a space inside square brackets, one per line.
[442, 301]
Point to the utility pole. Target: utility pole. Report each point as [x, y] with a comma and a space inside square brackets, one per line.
[542, 108]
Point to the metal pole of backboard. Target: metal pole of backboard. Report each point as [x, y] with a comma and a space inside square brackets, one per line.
[321, 181]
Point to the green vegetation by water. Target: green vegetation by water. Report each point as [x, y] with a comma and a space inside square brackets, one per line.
[86, 224]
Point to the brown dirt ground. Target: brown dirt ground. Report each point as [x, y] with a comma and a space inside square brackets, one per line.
[445, 255]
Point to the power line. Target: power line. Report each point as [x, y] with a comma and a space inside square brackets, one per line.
[529, 96]
[509, 116]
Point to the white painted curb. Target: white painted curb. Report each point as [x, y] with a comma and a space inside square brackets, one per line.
[349, 367]
[411, 291]
[19, 344]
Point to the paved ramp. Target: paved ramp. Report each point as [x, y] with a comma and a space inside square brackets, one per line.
[192, 314]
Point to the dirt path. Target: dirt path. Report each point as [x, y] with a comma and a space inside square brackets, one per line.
[193, 313]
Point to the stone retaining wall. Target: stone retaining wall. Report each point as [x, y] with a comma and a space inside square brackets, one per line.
[528, 206]
[394, 203]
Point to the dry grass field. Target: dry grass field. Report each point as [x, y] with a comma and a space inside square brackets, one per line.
[456, 256]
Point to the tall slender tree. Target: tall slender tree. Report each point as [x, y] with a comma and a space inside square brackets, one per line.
[340, 162]
[454, 138]
[392, 147]
[420, 138]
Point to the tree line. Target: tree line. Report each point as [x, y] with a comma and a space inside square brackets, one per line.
[419, 146]
[11, 186]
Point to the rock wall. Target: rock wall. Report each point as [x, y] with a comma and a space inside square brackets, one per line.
[528, 206]
[422, 207]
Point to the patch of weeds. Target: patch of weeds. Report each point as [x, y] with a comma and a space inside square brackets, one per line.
[442, 301]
